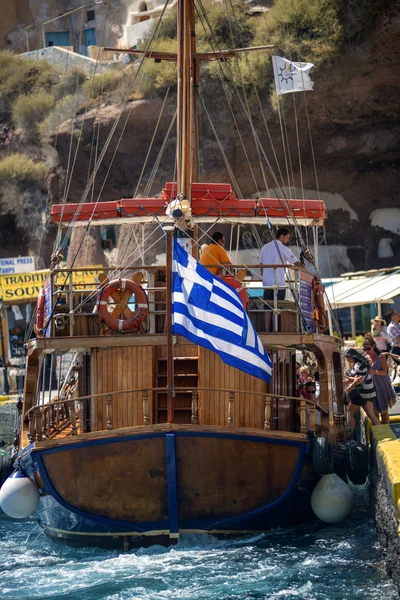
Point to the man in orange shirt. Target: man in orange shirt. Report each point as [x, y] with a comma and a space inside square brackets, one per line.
[215, 254]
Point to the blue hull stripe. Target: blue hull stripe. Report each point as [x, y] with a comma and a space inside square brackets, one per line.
[172, 523]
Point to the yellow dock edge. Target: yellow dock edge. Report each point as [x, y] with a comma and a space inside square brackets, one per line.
[386, 447]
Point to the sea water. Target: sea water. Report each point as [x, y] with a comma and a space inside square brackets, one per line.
[312, 562]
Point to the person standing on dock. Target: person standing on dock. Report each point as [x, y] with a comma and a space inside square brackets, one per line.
[385, 394]
[362, 394]
[394, 332]
[379, 333]
[276, 253]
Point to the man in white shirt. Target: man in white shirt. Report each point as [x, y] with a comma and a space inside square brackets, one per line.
[394, 332]
[276, 253]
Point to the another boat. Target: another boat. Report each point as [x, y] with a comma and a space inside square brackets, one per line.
[134, 435]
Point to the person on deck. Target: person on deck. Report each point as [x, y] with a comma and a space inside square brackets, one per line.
[394, 332]
[215, 254]
[276, 253]
[311, 390]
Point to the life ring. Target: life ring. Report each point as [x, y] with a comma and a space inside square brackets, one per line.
[320, 312]
[142, 307]
[322, 456]
[40, 313]
[357, 462]
[238, 286]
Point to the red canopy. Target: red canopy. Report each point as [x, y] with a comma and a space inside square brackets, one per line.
[209, 201]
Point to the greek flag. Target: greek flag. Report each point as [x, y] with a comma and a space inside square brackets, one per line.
[210, 313]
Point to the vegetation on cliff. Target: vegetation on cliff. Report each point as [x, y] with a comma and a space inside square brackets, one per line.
[36, 98]
[300, 29]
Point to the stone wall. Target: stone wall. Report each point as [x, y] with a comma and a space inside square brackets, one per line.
[63, 58]
[8, 411]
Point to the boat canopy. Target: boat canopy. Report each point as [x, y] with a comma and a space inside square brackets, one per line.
[364, 290]
[209, 202]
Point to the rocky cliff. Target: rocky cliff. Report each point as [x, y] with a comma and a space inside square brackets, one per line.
[351, 159]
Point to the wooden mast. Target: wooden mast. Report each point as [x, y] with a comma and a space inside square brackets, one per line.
[187, 75]
[186, 159]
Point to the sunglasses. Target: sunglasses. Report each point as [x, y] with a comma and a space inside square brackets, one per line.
[312, 391]
[367, 348]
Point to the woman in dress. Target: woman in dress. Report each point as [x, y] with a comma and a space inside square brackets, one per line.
[385, 394]
[359, 386]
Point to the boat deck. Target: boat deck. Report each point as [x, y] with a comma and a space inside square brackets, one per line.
[269, 340]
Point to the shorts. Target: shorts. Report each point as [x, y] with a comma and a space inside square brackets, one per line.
[356, 399]
[269, 295]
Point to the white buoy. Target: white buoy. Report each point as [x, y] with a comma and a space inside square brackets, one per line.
[332, 499]
[19, 496]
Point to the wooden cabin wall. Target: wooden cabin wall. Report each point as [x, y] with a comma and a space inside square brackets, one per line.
[213, 406]
[33, 363]
[180, 350]
[185, 369]
[284, 375]
[87, 325]
[114, 369]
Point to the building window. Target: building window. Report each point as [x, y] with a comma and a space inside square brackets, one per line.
[142, 7]
[90, 15]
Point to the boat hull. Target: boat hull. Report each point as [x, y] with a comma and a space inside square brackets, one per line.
[141, 488]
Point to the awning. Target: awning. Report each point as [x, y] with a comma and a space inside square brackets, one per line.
[364, 290]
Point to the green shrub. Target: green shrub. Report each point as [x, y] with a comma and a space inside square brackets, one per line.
[65, 109]
[21, 168]
[70, 83]
[29, 111]
[308, 30]
[22, 76]
[105, 84]
[233, 29]
[302, 30]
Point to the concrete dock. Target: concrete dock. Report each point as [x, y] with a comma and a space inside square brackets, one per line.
[385, 480]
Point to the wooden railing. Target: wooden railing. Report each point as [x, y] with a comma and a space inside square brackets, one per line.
[48, 421]
[76, 300]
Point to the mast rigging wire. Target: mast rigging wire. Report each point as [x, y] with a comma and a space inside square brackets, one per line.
[151, 143]
[108, 141]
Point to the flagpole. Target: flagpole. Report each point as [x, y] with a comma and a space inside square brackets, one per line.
[168, 323]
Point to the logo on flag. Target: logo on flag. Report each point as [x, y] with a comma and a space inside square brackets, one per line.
[291, 76]
[210, 313]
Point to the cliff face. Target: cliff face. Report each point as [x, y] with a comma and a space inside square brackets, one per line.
[352, 160]
[355, 133]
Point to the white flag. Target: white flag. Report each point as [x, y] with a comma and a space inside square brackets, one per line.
[291, 76]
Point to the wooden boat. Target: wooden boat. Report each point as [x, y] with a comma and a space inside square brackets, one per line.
[149, 436]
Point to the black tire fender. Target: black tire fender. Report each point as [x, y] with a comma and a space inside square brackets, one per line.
[357, 462]
[322, 456]
[6, 467]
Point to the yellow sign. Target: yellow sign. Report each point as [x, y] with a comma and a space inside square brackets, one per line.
[22, 287]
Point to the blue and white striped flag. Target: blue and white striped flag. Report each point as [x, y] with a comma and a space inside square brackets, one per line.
[210, 313]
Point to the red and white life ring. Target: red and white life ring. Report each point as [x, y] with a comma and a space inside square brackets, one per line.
[238, 286]
[40, 314]
[141, 303]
